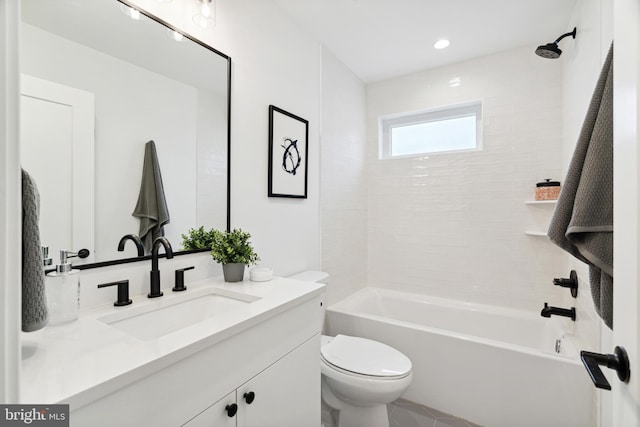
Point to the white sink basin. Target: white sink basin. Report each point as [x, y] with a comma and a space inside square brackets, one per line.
[175, 312]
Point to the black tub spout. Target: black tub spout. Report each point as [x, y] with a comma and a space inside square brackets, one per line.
[548, 311]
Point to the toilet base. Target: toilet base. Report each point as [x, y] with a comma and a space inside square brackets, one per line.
[350, 415]
[363, 416]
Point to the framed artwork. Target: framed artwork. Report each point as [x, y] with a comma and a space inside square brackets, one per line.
[288, 154]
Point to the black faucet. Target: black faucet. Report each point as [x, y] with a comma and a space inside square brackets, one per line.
[548, 311]
[155, 272]
[135, 239]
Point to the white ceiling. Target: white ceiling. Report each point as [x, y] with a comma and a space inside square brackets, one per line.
[379, 39]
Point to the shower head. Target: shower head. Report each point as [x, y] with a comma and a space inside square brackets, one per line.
[551, 50]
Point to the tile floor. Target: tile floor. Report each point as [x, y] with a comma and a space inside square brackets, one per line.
[403, 413]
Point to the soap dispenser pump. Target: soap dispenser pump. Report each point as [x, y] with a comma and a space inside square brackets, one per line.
[63, 291]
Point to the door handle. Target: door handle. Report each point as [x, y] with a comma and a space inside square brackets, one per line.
[618, 361]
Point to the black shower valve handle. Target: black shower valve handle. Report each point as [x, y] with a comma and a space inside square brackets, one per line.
[571, 283]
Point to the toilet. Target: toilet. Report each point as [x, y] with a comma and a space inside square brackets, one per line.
[359, 376]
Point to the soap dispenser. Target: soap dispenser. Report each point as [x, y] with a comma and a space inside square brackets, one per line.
[63, 291]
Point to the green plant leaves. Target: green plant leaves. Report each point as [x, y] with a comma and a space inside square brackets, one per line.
[197, 238]
[232, 247]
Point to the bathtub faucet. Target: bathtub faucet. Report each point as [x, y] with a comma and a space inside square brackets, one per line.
[548, 311]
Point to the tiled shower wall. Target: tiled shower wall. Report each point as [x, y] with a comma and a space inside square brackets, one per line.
[454, 225]
[343, 197]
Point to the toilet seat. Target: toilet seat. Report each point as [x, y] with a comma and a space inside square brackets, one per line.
[364, 357]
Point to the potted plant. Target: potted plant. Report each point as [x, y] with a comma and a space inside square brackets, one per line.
[234, 251]
[197, 238]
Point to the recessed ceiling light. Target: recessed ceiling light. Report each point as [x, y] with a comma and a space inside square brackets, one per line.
[441, 44]
[455, 82]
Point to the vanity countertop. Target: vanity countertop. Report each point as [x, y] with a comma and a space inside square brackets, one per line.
[81, 361]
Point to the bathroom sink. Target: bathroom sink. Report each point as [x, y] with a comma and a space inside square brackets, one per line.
[162, 317]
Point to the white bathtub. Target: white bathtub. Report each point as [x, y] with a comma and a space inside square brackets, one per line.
[493, 366]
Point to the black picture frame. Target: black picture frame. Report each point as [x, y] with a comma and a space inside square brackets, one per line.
[288, 154]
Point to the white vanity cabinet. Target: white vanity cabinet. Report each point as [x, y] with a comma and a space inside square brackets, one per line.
[284, 394]
[217, 414]
[276, 356]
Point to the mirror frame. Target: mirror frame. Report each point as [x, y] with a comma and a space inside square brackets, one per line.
[228, 225]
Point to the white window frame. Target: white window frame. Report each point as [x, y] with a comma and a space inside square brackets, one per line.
[388, 122]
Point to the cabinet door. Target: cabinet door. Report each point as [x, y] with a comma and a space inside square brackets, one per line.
[217, 415]
[286, 394]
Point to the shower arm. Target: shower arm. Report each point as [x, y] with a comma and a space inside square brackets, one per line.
[572, 33]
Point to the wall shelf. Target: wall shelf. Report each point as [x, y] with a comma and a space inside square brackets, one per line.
[542, 215]
[535, 233]
[540, 202]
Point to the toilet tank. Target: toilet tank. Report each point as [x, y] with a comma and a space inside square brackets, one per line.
[312, 276]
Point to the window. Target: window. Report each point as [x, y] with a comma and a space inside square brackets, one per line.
[446, 129]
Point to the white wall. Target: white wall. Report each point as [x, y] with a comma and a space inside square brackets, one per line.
[343, 179]
[10, 206]
[274, 62]
[453, 224]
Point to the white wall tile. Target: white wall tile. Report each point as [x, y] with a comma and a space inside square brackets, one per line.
[453, 224]
[343, 179]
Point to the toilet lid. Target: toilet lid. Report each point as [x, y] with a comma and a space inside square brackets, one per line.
[366, 357]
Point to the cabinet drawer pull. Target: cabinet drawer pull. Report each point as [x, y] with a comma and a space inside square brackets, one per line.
[249, 397]
[231, 410]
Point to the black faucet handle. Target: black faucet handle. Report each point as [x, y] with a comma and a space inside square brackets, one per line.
[123, 292]
[179, 280]
[571, 283]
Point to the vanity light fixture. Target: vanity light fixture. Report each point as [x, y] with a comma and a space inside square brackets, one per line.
[131, 12]
[441, 44]
[206, 16]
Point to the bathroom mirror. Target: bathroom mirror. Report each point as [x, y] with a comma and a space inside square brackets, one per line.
[97, 85]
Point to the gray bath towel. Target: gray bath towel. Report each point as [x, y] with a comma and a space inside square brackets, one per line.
[582, 223]
[152, 205]
[34, 299]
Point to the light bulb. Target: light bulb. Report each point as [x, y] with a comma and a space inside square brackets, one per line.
[175, 35]
[131, 12]
[206, 10]
[206, 17]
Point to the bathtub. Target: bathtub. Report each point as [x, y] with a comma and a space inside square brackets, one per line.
[493, 366]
